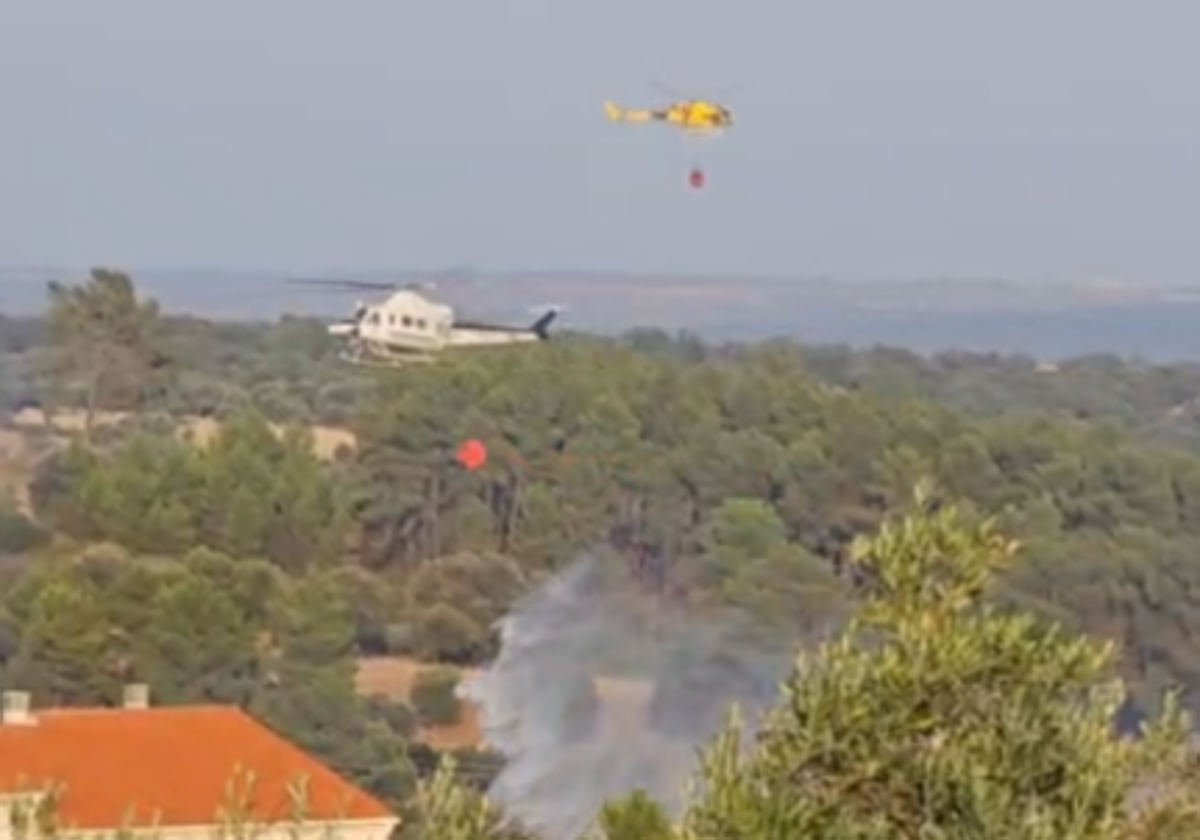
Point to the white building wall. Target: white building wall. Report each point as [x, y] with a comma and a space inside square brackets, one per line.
[337, 830]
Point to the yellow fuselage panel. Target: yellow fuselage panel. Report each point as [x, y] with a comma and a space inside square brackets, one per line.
[695, 115]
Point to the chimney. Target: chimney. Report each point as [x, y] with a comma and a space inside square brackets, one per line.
[16, 709]
[137, 696]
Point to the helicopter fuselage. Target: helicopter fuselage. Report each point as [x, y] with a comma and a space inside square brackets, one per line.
[408, 327]
[697, 116]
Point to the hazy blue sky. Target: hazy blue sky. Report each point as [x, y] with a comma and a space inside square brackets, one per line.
[1025, 139]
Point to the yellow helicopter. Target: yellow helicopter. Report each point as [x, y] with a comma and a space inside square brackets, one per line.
[693, 116]
[696, 118]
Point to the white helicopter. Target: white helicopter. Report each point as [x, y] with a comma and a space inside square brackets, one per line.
[407, 327]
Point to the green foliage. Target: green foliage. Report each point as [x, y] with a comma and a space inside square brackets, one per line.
[457, 599]
[312, 697]
[64, 644]
[445, 634]
[249, 493]
[743, 530]
[105, 341]
[477, 768]
[636, 817]
[448, 810]
[18, 533]
[434, 699]
[936, 714]
[203, 635]
[399, 716]
[1156, 401]
[373, 600]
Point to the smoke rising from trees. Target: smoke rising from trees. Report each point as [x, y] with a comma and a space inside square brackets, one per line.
[566, 751]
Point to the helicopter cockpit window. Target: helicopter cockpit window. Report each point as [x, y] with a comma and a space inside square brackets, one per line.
[407, 321]
[374, 319]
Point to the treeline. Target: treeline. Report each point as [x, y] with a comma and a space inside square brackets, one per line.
[289, 369]
[730, 477]
[1159, 402]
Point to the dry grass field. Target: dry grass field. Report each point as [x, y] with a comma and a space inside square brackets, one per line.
[26, 437]
[622, 700]
[326, 439]
[18, 458]
[393, 676]
[15, 468]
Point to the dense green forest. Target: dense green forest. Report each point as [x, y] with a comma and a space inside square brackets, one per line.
[712, 476]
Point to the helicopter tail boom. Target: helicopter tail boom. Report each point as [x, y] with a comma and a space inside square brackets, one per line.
[473, 334]
[632, 115]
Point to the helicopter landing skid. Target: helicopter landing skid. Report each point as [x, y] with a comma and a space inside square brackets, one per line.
[370, 360]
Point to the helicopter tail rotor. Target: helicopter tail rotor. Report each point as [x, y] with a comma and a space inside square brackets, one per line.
[541, 327]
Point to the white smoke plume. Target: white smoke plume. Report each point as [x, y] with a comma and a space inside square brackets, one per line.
[562, 762]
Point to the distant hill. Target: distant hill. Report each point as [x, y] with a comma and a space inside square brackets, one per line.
[1050, 320]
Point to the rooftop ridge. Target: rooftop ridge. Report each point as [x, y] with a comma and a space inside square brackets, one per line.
[175, 761]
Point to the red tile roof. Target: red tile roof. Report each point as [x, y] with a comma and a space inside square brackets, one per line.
[171, 766]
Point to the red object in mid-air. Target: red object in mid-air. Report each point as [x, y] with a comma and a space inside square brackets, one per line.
[696, 179]
[472, 454]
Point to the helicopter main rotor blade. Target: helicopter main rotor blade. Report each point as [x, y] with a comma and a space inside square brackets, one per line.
[731, 91]
[342, 283]
[720, 93]
[670, 91]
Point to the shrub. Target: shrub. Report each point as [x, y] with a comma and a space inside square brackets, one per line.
[18, 533]
[400, 717]
[445, 634]
[477, 768]
[434, 699]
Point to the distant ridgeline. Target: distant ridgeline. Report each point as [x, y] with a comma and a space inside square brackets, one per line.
[1157, 331]
[1049, 321]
